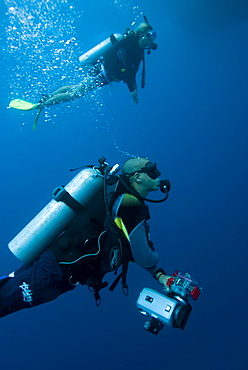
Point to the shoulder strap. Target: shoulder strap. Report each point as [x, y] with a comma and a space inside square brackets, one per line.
[143, 73]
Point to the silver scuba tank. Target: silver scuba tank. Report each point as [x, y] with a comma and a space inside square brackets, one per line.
[98, 51]
[55, 216]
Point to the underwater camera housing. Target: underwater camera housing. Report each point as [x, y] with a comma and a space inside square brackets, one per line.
[172, 309]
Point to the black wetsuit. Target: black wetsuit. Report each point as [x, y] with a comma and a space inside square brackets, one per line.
[122, 62]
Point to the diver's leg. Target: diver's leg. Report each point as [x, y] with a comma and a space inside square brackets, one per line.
[57, 99]
[63, 94]
[69, 93]
[32, 285]
[63, 89]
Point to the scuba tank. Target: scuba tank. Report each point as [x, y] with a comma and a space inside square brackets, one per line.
[55, 216]
[98, 51]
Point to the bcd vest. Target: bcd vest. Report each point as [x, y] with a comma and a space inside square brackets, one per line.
[91, 245]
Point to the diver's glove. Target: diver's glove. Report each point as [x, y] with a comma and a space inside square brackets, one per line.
[134, 96]
[160, 275]
[164, 280]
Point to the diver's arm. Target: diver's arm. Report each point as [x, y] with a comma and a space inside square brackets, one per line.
[131, 84]
[132, 68]
[132, 87]
[142, 253]
[145, 257]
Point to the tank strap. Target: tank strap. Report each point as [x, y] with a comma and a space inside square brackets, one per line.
[62, 195]
[143, 73]
[104, 74]
[113, 39]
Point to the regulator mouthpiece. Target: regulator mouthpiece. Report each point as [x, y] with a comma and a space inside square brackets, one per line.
[165, 186]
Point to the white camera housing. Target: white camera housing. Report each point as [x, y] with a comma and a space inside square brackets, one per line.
[157, 305]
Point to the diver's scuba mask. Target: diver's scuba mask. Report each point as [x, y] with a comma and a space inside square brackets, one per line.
[152, 35]
[152, 171]
[147, 40]
[149, 168]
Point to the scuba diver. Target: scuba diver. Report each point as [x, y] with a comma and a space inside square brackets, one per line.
[115, 59]
[106, 220]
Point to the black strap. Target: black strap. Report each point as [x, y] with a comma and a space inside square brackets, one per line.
[113, 39]
[115, 282]
[123, 274]
[126, 259]
[96, 290]
[61, 195]
[143, 74]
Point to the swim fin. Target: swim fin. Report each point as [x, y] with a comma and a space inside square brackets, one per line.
[36, 119]
[22, 104]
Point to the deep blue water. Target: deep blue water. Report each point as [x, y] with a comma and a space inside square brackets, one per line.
[191, 119]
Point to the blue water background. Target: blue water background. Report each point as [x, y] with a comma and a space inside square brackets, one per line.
[192, 120]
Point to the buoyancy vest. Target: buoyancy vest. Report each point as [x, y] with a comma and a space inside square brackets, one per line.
[123, 62]
[91, 245]
[94, 244]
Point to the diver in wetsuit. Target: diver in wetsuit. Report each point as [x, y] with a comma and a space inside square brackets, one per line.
[121, 63]
[46, 278]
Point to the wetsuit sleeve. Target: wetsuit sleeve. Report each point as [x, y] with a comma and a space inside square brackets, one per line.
[132, 66]
[131, 82]
[142, 253]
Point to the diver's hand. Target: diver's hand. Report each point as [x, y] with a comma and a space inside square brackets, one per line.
[134, 96]
[163, 279]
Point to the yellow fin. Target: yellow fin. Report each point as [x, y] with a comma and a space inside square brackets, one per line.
[36, 119]
[22, 104]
